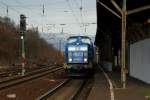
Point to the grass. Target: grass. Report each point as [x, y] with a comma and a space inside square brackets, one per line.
[147, 94]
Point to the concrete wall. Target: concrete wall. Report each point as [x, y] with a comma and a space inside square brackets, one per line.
[140, 60]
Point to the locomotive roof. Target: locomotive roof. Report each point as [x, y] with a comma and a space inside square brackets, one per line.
[74, 39]
[78, 36]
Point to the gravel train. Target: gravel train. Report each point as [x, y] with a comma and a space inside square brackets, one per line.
[79, 55]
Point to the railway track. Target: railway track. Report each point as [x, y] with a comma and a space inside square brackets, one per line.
[69, 89]
[18, 72]
[29, 76]
[10, 72]
[13, 71]
[26, 74]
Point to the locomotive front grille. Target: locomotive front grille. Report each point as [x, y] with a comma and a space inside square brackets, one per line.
[78, 57]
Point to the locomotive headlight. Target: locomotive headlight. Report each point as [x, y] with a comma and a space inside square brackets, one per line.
[83, 48]
[70, 59]
[85, 59]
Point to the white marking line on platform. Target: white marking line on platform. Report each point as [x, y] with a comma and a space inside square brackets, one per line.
[11, 95]
[110, 84]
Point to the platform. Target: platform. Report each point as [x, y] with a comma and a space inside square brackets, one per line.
[100, 89]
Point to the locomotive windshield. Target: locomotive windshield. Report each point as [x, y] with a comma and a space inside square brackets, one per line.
[82, 39]
[72, 40]
[86, 40]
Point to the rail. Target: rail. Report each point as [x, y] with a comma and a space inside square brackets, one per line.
[27, 77]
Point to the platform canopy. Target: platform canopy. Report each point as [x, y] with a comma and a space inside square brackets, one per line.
[109, 21]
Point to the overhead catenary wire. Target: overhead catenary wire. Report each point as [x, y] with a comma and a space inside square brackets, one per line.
[81, 17]
[26, 7]
[10, 7]
[41, 13]
[21, 5]
[33, 5]
[29, 9]
[76, 19]
[77, 4]
[78, 7]
[18, 2]
[32, 10]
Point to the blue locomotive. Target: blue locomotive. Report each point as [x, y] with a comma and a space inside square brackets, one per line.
[79, 55]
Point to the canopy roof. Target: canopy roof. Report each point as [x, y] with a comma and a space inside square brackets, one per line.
[109, 24]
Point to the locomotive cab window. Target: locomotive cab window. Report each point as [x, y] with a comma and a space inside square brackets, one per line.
[86, 40]
[72, 40]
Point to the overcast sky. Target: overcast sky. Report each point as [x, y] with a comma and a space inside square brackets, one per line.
[56, 12]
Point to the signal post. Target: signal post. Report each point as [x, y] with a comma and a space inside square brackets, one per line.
[22, 35]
